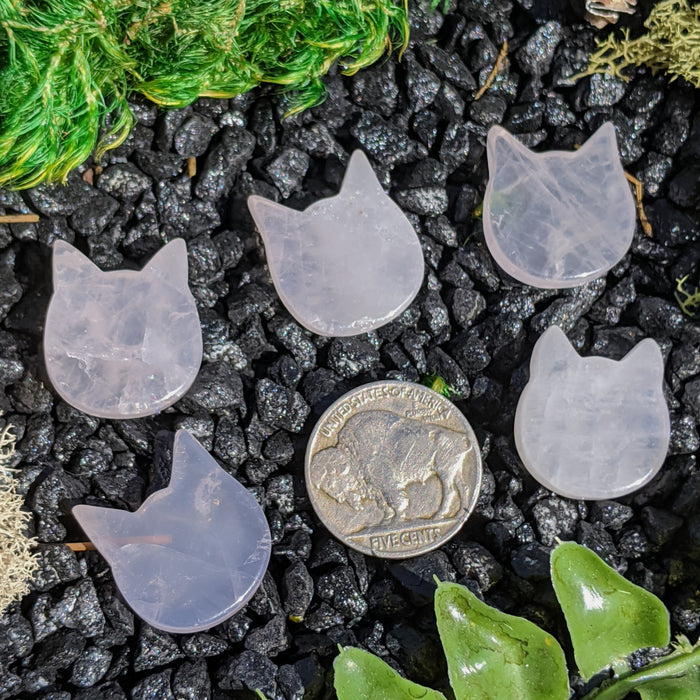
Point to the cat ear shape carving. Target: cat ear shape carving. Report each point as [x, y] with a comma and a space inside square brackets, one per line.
[122, 344]
[557, 219]
[170, 262]
[194, 553]
[348, 263]
[591, 427]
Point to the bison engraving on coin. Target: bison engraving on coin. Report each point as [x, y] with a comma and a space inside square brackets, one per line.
[393, 469]
[375, 463]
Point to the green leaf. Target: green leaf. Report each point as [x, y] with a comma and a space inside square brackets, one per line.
[608, 616]
[684, 688]
[683, 682]
[360, 675]
[494, 655]
[675, 676]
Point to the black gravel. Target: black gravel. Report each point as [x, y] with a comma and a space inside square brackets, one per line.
[265, 380]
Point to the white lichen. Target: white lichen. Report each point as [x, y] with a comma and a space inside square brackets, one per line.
[17, 558]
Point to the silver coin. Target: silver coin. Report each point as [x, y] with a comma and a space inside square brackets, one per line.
[393, 469]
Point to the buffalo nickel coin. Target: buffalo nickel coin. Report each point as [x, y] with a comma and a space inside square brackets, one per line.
[393, 469]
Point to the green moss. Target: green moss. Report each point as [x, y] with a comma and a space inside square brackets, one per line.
[671, 44]
[68, 66]
[62, 79]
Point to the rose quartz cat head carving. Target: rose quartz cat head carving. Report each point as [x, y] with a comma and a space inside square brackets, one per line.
[194, 553]
[125, 343]
[347, 264]
[557, 219]
[591, 427]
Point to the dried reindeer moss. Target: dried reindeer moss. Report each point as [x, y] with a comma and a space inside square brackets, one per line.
[67, 66]
[17, 561]
[671, 44]
[689, 301]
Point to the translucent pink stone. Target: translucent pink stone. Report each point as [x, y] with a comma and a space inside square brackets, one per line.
[591, 427]
[557, 219]
[347, 264]
[194, 553]
[124, 343]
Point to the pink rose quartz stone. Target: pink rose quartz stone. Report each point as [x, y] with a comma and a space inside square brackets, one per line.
[194, 553]
[124, 343]
[347, 264]
[557, 219]
[591, 427]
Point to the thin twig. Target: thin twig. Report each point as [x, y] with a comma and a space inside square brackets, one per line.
[80, 546]
[134, 539]
[494, 71]
[19, 218]
[638, 193]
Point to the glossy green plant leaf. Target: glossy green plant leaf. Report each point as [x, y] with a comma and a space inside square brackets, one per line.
[684, 688]
[682, 671]
[360, 675]
[494, 655]
[608, 616]
[672, 677]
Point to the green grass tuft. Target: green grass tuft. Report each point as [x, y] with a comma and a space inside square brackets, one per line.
[68, 66]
